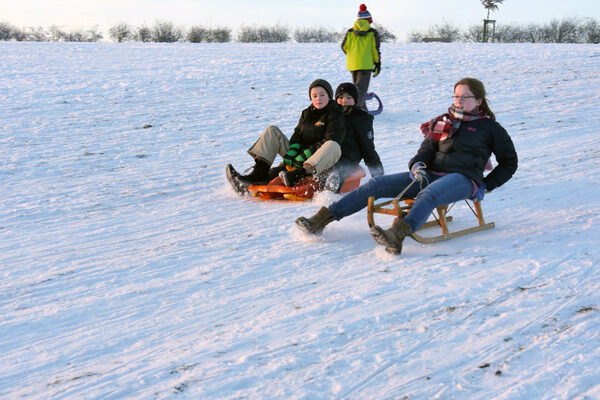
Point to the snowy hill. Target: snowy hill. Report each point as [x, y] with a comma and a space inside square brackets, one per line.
[129, 268]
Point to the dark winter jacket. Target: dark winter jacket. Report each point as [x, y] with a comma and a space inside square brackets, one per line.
[358, 144]
[468, 150]
[315, 127]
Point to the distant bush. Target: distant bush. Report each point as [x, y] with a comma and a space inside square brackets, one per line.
[6, 31]
[38, 34]
[264, 34]
[567, 30]
[165, 32]
[314, 35]
[198, 34]
[120, 32]
[19, 35]
[94, 35]
[384, 34]
[590, 31]
[445, 31]
[143, 34]
[219, 35]
[55, 33]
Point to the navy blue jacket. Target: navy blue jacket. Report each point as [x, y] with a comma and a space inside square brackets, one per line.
[468, 150]
[358, 143]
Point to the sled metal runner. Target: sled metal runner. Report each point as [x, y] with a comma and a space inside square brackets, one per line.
[400, 208]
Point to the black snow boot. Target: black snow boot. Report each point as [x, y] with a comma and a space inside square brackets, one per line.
[316, 223]
[259, 174]
[291, 178]
[241, 183]
[393, 237]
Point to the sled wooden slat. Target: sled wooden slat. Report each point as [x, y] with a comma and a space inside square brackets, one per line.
[440, 215]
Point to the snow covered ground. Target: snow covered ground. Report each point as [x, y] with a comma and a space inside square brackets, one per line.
[130, 269]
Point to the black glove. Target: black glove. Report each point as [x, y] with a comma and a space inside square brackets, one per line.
[376, 69]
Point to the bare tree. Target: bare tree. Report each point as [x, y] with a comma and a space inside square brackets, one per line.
[197, 34]
[38, 34]
[166, 32]
[474, 34]
[313, 35]
[56, 34]
[447, 31]
[590, 31]
[415, 37]
[384, 34]
[143, 34]
[6, 31]
[75, 36]
[120, 32]
[94, 34]
[264, 34]
[219, 35]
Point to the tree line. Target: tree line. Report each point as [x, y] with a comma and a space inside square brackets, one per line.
[167, 32]
[567, 30]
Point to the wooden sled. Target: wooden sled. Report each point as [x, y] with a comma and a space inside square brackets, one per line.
[304, 190]
[400, 208]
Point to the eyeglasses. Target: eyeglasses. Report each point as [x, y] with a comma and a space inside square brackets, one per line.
[463, 97]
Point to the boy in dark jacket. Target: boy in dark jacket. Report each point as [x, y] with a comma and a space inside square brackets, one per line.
[313, 148]
[358, 143]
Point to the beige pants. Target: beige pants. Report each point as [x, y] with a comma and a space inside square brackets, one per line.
[273, 142]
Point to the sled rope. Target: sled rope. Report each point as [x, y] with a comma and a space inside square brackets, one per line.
[409, 185]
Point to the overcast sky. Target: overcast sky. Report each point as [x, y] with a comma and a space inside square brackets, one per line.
[399, 16]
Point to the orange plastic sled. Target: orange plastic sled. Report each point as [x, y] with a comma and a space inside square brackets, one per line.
[304, 190]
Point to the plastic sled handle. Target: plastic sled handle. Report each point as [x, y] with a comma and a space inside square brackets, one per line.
[371, 96]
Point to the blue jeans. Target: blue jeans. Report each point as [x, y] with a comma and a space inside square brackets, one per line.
[440, 190]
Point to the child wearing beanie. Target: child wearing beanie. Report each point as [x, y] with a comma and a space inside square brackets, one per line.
[315, 145]
[361, 46]
[358, 143]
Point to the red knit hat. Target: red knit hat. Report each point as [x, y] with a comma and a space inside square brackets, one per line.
[364, 14]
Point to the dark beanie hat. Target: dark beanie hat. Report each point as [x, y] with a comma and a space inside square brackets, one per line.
[348, 88]
[324, 84]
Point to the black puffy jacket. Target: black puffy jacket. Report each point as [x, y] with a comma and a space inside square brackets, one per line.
[468, 150]
[358, 143]
[315, 127]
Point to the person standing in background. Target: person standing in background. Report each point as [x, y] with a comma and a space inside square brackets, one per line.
[361, 46]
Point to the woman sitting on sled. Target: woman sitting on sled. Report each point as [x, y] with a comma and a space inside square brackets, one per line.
[447, 168]
[313, 148]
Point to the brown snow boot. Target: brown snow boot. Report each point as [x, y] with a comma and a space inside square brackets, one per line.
[316, 223]
[393, 237]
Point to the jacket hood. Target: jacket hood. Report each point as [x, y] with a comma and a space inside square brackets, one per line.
[361, 25]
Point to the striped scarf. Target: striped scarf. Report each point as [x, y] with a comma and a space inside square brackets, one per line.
[444, 126]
